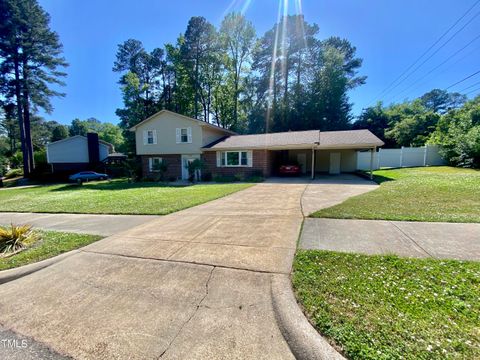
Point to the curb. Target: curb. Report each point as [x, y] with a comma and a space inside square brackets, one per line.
[16, 273]
[304, 341]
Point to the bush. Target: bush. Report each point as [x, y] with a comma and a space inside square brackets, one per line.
[16, 238]
[224, 178]
[255, 179]
[207, 177]
[14, 173]
[458, 134]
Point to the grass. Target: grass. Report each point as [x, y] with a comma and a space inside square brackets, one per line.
[439, 193]
[385, 307]
[52, 243]
[115, 197]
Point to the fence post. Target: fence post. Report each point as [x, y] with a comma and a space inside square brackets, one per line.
[401, 157]
[425, 155]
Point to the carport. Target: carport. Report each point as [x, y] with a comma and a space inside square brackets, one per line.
[333, 153]
[322, 152]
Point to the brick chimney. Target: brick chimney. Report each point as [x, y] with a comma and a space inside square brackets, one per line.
[93, 149]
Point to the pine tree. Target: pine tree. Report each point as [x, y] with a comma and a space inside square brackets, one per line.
[30, 54]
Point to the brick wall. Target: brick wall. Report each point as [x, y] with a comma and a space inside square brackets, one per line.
[261, 161]
[174, 165]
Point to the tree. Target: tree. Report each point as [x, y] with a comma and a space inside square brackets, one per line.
[441, 101]
[78, 127]
[237, 37]
[377, 120]
[31, 56]
[458, 134]
[197, 49]
[106, 131]
[59, 132]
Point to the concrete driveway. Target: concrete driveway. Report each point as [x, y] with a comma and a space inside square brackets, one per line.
[194, 284]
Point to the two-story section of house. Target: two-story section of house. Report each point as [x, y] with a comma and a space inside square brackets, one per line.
[174, 139]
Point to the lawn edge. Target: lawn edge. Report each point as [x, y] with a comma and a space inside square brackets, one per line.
[24, 270]
[302, 338]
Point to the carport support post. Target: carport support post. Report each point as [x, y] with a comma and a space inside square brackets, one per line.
[372, 151]
[313, 163]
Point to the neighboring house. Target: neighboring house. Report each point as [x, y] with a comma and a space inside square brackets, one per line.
[177, 139]
[77, 153]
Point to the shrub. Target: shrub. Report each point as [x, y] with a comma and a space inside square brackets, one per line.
[254, 179]
[224, 178]
[13, 173]
[207, 177]
[16, 238]
[161, 169]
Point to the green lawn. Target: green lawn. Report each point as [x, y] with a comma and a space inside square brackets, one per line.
[417, 194]
[116, 197]
[51, 244]
[385, 307]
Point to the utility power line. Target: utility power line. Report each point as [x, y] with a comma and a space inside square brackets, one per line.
[464, 79]
[474, 90]
[435, 52]
[430, 48]
[469, 87]
[436, 67]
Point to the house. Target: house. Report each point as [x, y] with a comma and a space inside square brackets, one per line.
[77, 153]
[177, 139]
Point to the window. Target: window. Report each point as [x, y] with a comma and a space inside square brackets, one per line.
[234, 158]
[150, 137]
[154, 163]
[184, 135]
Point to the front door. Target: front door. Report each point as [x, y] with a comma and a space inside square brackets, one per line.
[186, 159]
[334, 164]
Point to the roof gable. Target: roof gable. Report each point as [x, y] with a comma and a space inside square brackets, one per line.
[199, 122]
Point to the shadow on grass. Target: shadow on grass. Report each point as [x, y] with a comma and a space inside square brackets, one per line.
[114, 185]
[376, 178]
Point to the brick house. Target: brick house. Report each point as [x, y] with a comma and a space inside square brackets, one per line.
[177, 140]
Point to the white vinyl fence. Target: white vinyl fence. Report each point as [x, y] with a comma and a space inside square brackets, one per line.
[406, 156]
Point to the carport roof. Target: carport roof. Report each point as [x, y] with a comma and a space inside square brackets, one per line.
[348, 139]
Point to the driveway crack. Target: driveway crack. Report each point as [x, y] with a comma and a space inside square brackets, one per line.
[191, 316]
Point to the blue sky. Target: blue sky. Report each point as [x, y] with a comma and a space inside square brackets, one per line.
[389, 36]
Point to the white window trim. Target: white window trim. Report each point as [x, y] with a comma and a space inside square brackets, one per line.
[249, 158]
[178, 135]
[154, 137]
[150, 163]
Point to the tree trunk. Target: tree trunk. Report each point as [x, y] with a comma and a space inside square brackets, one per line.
[196, 87]
[18, 96]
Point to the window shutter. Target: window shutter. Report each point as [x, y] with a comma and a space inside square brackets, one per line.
[154, 136]
[150, 164]
[249, 158]
[145, 137]
[178, 135]
[219, 158]
[189, 134]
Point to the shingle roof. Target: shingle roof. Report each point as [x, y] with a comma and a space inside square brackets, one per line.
[348, 138]
[296, 139]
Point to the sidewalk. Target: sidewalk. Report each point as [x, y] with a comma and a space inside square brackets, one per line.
[104, 225]
[403, 238]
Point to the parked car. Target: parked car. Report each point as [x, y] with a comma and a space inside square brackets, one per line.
[289, 169]
[87, 176]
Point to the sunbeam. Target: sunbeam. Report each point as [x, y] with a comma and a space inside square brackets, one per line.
[272, 68]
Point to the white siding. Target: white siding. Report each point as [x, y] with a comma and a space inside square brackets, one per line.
[72, 150]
